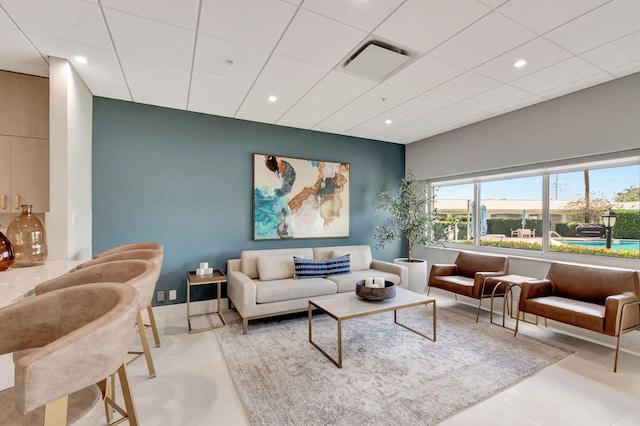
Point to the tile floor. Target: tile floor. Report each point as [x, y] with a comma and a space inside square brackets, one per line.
[193, 386]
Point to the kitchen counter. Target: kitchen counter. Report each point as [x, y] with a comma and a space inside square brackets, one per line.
[19, 283]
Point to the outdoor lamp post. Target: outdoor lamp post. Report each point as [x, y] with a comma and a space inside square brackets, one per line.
[609, 221]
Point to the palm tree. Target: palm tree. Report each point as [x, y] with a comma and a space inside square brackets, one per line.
[586, 196]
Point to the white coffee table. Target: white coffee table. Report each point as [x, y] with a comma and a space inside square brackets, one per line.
[342, 307]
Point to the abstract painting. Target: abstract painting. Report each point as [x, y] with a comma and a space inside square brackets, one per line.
[299, 198]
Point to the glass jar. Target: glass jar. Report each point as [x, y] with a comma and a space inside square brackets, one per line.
[29, 239]
[6, 253]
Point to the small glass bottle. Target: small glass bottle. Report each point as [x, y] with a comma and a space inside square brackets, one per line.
[28, 237]
[6, 253]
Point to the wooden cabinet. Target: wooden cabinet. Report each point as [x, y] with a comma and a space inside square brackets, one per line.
[24, 174]
[24, 142]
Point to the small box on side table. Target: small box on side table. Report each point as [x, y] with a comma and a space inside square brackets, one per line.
[216, 278]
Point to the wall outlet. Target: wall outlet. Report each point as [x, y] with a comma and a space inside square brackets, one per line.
[160, 296]
[173, 294]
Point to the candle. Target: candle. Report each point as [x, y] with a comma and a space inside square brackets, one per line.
[368, 282]
[379, 282]
[204, 265]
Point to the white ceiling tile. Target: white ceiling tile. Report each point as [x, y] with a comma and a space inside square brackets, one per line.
[181, 13]
[419, 126]
[486, 39]
[493, 3]
[318, 40]
[346, 118]
[609, 22]
[102, 64]
[257, 23]
[14, 45]
[424, 74]
[420, 106]
[294, 2]
[216, 94]
[341, 86]
[574, 86]
[65, 19]
[309, 111]
[365, 15]
[453, 113]
[377, 125]
[462, 87]
[543, 15]
[560, 74]
[615, 54]
[213, 53]
[112, 88]
[519, 104]
[383, 97]
[156, 83]
[5, 21]
[424, 24]
[627, 69]
[539, 53]
[256, 107]
[496, 98]
[281, 71]
[24, 67]
[142, 37]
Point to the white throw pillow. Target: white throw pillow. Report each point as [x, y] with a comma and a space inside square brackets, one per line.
[275, 267]
[360, 257]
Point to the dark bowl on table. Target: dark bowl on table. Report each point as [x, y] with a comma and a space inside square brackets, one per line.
[376, 293]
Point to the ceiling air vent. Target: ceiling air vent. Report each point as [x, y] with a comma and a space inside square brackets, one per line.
[376, 60]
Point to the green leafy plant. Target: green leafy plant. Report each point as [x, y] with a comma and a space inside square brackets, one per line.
[410, 215]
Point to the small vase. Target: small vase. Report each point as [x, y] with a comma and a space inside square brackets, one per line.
[6, 253]
[29, 239]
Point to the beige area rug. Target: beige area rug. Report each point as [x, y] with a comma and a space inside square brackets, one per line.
[390, 376]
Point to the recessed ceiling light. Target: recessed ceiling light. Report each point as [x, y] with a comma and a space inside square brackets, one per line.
[520, 63]
[388, 121]
[80, 59]
[272, 98]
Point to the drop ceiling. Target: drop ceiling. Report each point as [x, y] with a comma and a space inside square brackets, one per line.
[227, 57]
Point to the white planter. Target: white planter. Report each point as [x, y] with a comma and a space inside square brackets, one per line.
[417, 273]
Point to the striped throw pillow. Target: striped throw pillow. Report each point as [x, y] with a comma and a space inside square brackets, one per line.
[339, 265]
[309, 268]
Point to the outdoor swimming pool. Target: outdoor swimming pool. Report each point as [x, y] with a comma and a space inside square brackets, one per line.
[615, 244]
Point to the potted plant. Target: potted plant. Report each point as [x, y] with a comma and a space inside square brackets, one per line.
[411, 218]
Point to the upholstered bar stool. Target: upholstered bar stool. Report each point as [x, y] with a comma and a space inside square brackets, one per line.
[132, 246]
[70, 340]
[153, 255]
[141, 274]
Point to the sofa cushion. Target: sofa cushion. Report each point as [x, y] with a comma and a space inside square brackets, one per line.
[309, 268]
[290, 289]
[569, 311]
[275, 267]
[249, 258]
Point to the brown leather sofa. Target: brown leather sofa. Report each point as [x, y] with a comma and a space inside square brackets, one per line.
[467, 275]
[586, 297]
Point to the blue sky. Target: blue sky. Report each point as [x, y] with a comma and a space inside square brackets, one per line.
[604, 183]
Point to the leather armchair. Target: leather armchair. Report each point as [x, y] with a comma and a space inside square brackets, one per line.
[468, 274]
[604, 300]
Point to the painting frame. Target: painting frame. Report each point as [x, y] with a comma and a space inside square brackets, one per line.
[299, 198]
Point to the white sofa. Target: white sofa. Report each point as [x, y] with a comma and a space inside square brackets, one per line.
[261, 283]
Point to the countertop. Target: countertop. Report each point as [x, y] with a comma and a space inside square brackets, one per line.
[19, 283]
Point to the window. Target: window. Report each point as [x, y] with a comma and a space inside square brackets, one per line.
[509, 212]
[556, 210]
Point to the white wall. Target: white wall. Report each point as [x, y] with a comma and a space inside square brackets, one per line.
[601, 119]
[69, 222]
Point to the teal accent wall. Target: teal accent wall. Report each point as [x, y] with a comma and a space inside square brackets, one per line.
[184, 179]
